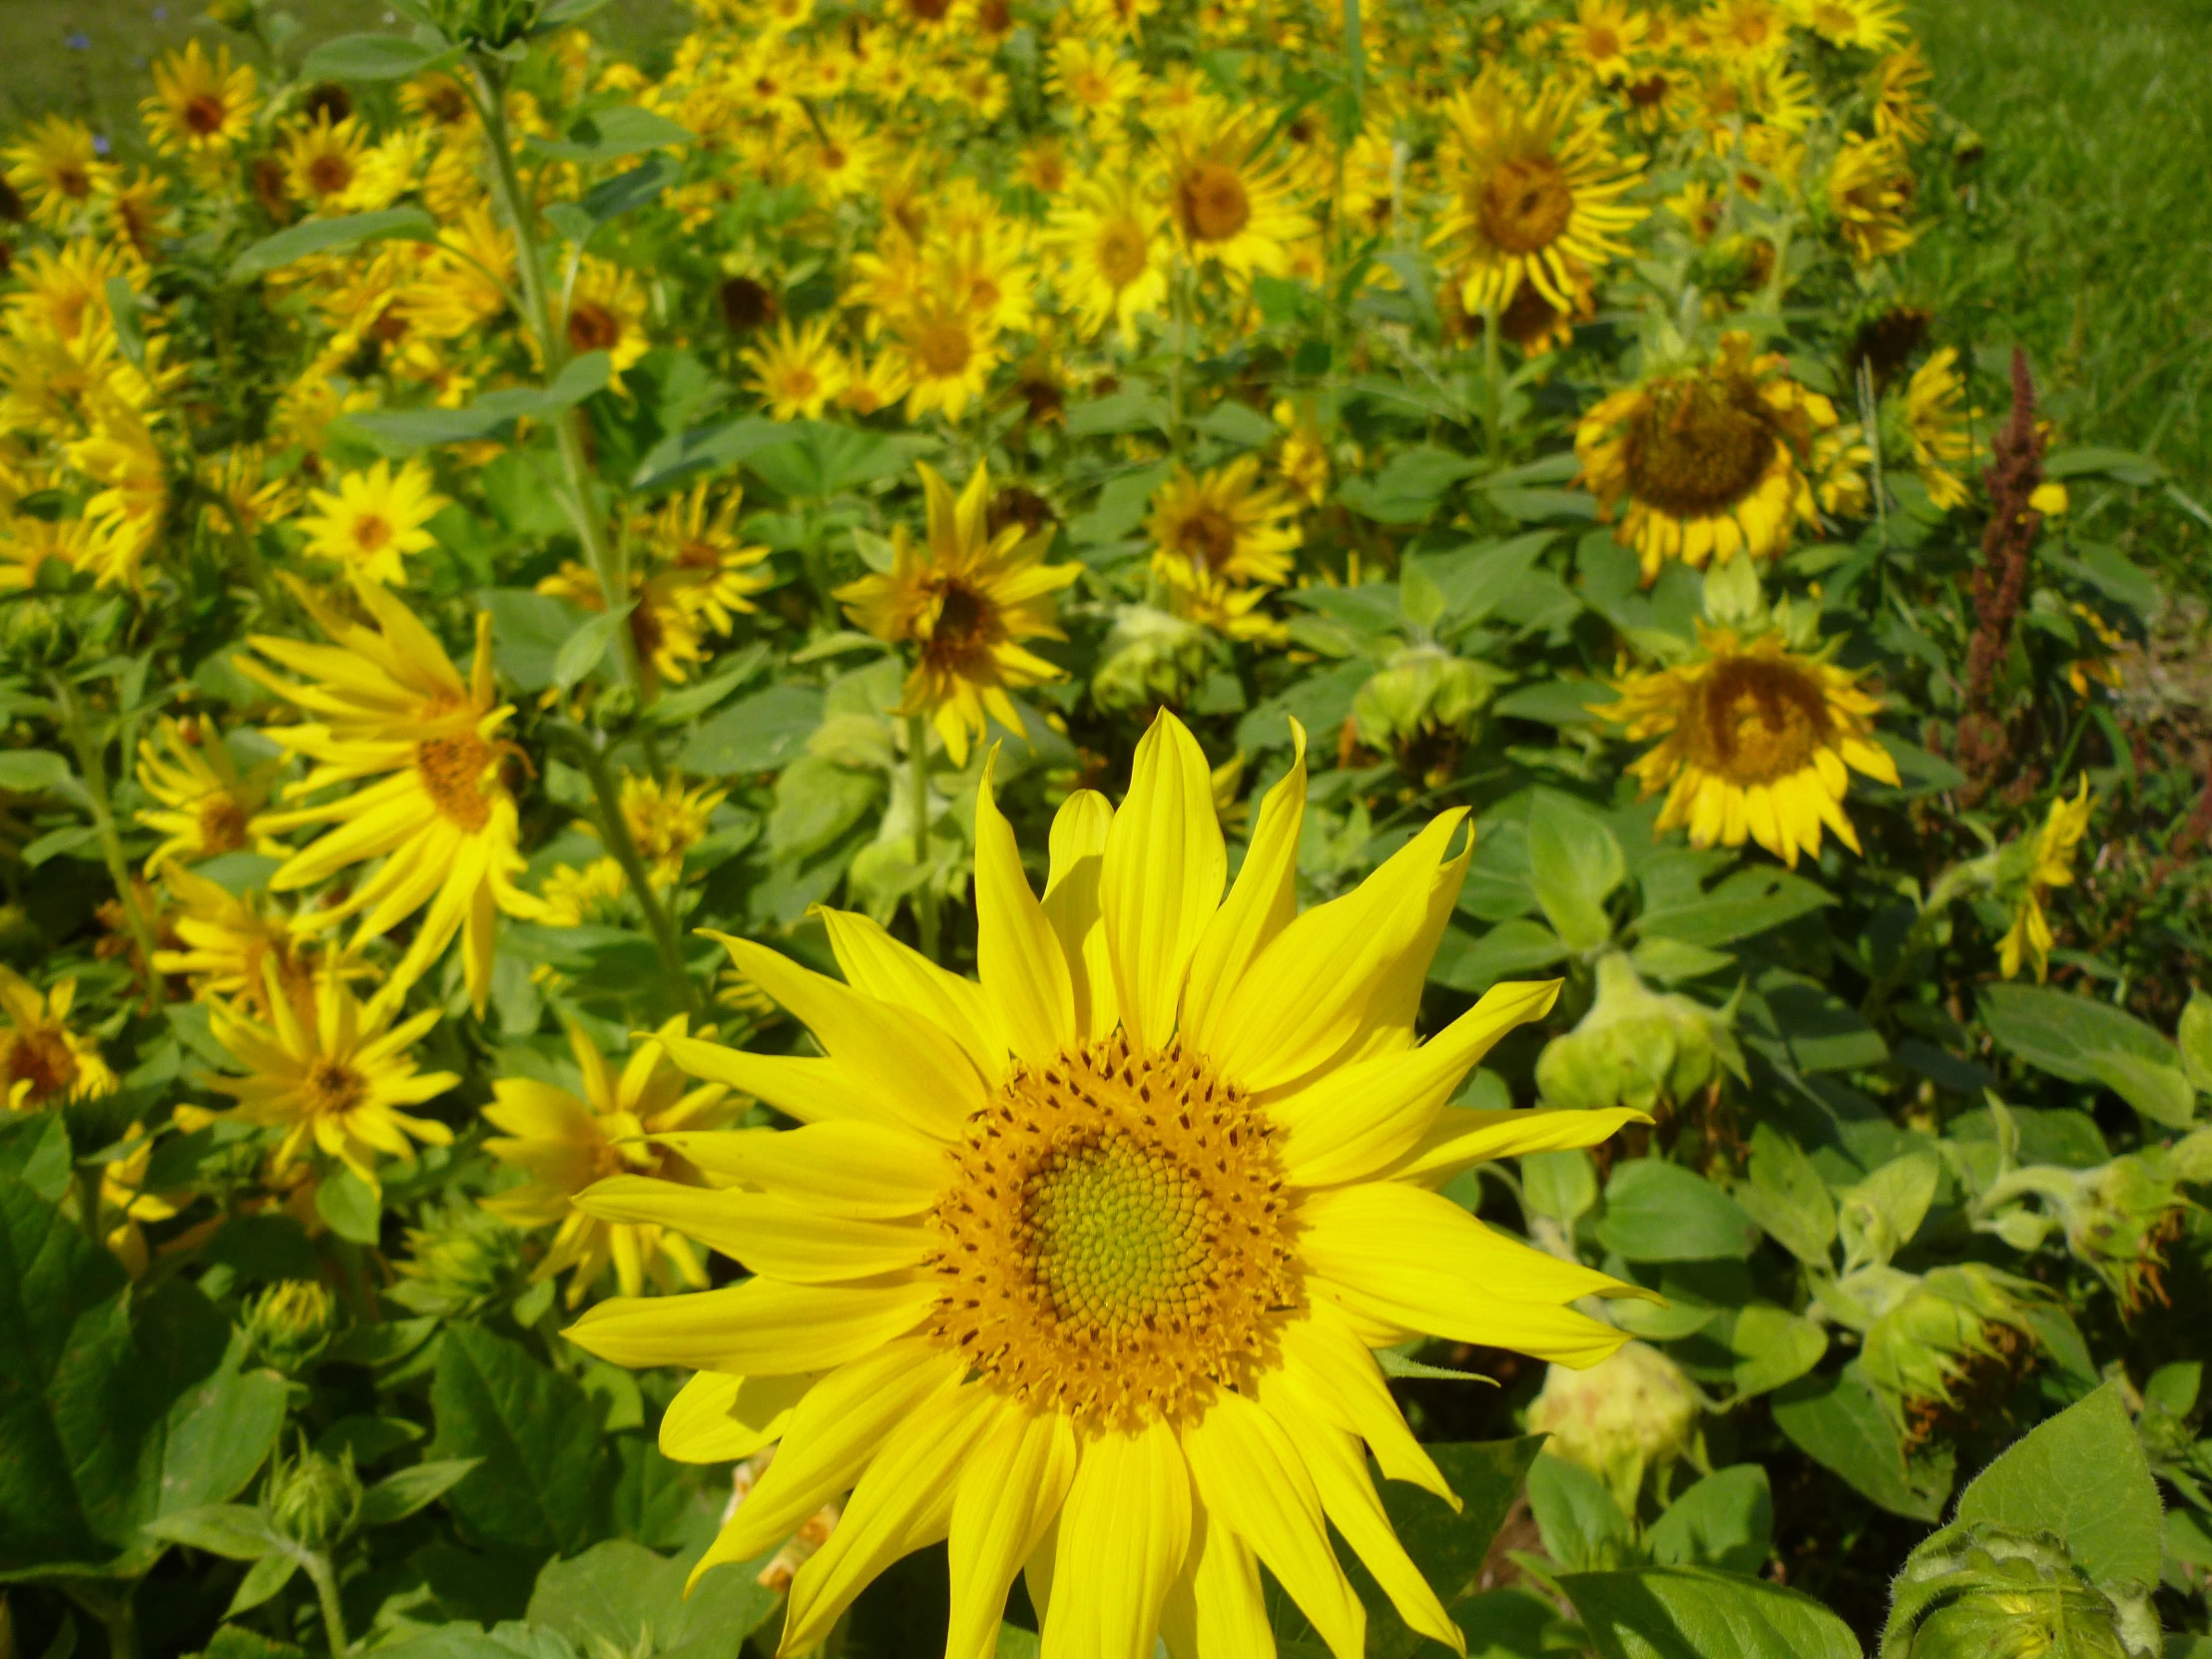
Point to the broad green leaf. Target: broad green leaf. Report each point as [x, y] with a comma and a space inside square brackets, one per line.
[262, 1580]
[2194, 1039]
[608, 136]
[542, 1474]
[1576, 863]
[328, 235]
[2084, 460]
[1799, 1023]
[1726, 1520]
[1787, 1197]
[351, 1205]
[816, 800]
[1773, 1346]
[621, 1597]
[397, 432]
[2083, 1476]
[2092, 1042]
[637, 188]
[527, 631]
[1700, 1613]
[709, 448]
[1749, 901]
[1880, 1216]
[1133, 411]
[400, 1495]
[764, 733]
[826, 460]
[1561, 1185]
[1582, 1526]
[1837, 1422]
[32, 771]
[235, 1531]
[583, 650]
[373, 58]
[1509, 950]
[1657, 1211]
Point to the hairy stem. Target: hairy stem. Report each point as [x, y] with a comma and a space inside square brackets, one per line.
[326, 1592]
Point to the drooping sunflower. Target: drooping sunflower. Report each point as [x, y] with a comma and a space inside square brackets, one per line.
[207, 803]
[334, 1083]
[667, 820]
[1869, 187]
[797, 371]
[418, 751]
[200, 108]
[1935, 421]
[2050, 865]
[1226, 524]
[1080, 1267]
[1757, 739]
[1708, 461]
[374, 519]
[1535, 191]
[227, 941]
[42, 1061]
[1113, 242]
[1871, 25]
[617, 1127]
[1897, 87]
[965, 599]
[1230, 200]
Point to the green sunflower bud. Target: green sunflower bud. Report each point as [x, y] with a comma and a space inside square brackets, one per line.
[1958, 1336]
[1636, 1047]
[1151, 658]
[1424, 692]
[291, 1323]
[1629, 1414]
[486, 23]
[463, 1259]
[38, 633]
[314, 1499]
[232, 14]
[1980, 1591]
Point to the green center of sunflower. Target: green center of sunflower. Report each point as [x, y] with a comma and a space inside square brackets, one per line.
[1757, 720]
[1697, 449]
[1525, 203]
[1211, 202]
[1119, 1231]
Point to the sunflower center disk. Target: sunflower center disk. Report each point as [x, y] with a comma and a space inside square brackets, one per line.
[1526, 205]
[1700, 449]
[452, 771]
[333, 1089]
[1212, 202]
[1758, 722]
[1116, 1240]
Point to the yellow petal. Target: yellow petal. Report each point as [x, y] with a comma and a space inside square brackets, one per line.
[760, 1327]
[865, 1169]
[1165, 865]
[717, 1419]
[875, 963]
[1335, 1376]
[1071, 905]
[1122, 1536]
[1217, 1609]
[1259, 907]
[767, 1235]
[813, 1091]
[1460, 1137]
[1017, 955]
[1010, 1492]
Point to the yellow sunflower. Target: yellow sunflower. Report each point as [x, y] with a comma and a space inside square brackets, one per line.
[57, 167]
[1094, 78]
[1746, 30]
[702, 561]
[227, 943]
[1869, 187]
[1935, 421]
[334, 1082]
[605, 312]
[1897, 89]
[200, 108]
[374, 519]
[323, 161]
[1230, 201]
[965, 599]
[1755, 740]
[42, 1061]
[617, 1128]
[1605, 39]
[1113, 242]
[1873, 25]
[1709, 460]
[2051, 865]
[1226, 524]
[1080, 1267]
[390, 706]
[1535, 192]
[945, 355]
[207, 803]
[798, 371]
[667, 820]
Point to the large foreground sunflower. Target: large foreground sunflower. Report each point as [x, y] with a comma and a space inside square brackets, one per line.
[1756, 739]
[1710, 460]
[1080, 1267]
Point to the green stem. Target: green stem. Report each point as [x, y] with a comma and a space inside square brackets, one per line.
[616, 829]
[87, 1203]
[112, 1606]
[1494, 394]
[926, 897]
[326, 1592]
[90, 763]
[1179, 301]
[606, 560]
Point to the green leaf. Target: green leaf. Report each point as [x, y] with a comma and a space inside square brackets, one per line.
[123, 308]
[709, 448]
[351, 1207]
[373, 58]
[2084, 460]
[2082, 1475]
[1700, 1613]
[2194, 1040]
[1576, 863]
[583, 650]
[823, 460]
[1134, 410]
[33, 771]
[262, 1580]
[542, 1469]
[1749, 902]
[608, 136]
[527, 631]
[1581, 1523]
[1837, 1422]
[328, 235]
[235, 1531]
[2092, 1042]
[1803, 1025]
[1787, 1197]
[1773, 1346]
[1726, 1520]
[400, 1495]
[1656, 1211]
[765, 733]
[621, 1597]
[1509, 950]
[397, 432]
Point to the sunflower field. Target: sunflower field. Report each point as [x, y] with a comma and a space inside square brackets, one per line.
[1078, 829]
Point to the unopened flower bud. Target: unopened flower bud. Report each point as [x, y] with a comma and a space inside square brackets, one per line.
[1618, 1418]
[1424, 692]
[1958, 1334]
[461, 1259]
[1983, 1592]
[1636, 1047]
[313, 1499]
[1151, 658]
[288, 1324]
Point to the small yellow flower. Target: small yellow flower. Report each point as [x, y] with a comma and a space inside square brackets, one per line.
[2029, 938]
[667, 820]
[57, 165]
[798, 373]
[1869, 187]
[1936, 427]
[207, 804]
[199, 107]
[1229, 196]
[374, 519]
[227, 941]
[945, 355]
[323, 162]
[575, 896]
[42, 1061]
[605, 312]
[1114, 245]
[1226, 524]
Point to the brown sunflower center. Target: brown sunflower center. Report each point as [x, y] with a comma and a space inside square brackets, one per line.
[965, 626]
[593, 327]
[203, 116]
[1698, 449]
[943, 347]
[328, 174]
[453, 771]
[42, 1058]
[371, 532]
[333, 1088]
[1754, 719]
[1209, 536]
[1121, 252]
[1116, 1240]
[1211, 202]
[746, 304]
[1599, 43]
[73, 182]
[1525, 203]
[222, 825]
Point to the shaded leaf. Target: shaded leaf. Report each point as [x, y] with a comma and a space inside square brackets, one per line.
[2083, 1476]
[1701, 1613]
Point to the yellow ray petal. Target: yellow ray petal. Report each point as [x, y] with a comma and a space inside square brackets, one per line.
[1215, 1608]
[813, 1091]
[1017, 955]
[1010, 1492]
[1071, 905]
[766, 1234]
[1122, 1536]
[760, 1326]
[879, 964]
[865, 1169]
[717, 1419]
[1164, 869]
[1336, 1374]
[1259, 907]
[1460, 1137]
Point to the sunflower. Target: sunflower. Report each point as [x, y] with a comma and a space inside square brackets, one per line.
[841, 156]
[392, 708]
[1869, 189]
[374, 519]
[1195, 595]
[208, 805]
[1755, 740]
[228, 941]
[323, 162]
[1080, 1267]
[616, 1128]
[461, 287]
[797, 372]
[2051, 865]
[945, 355]
[67, 292]
[1709, 459]
[1605, 39]
[1116, 252]
[1873, 25]
[58, 168]
[1095, 78]
[1535, 191]
[1226, 524]
[702, 561]
[1934, 426]
[667, 820]
[875, 383]
[1897, 89]
[1746, 30]
[200, 108]
[964, 599]
[332, 1082]
[1231, 203]
[42, 1061]
[573, 896]
[605, 312]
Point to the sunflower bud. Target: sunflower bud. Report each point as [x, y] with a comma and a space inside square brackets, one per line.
[1959, 1336]
[459, 1262]
[1424, 694]
[232, 14]
[38, 633]
[1151, 658]
[1636, 1047]
[488, 24]
[2121, 1220]
[288, 1324]
[314, 1499]
[1620, 1418]
[1983, 1592]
